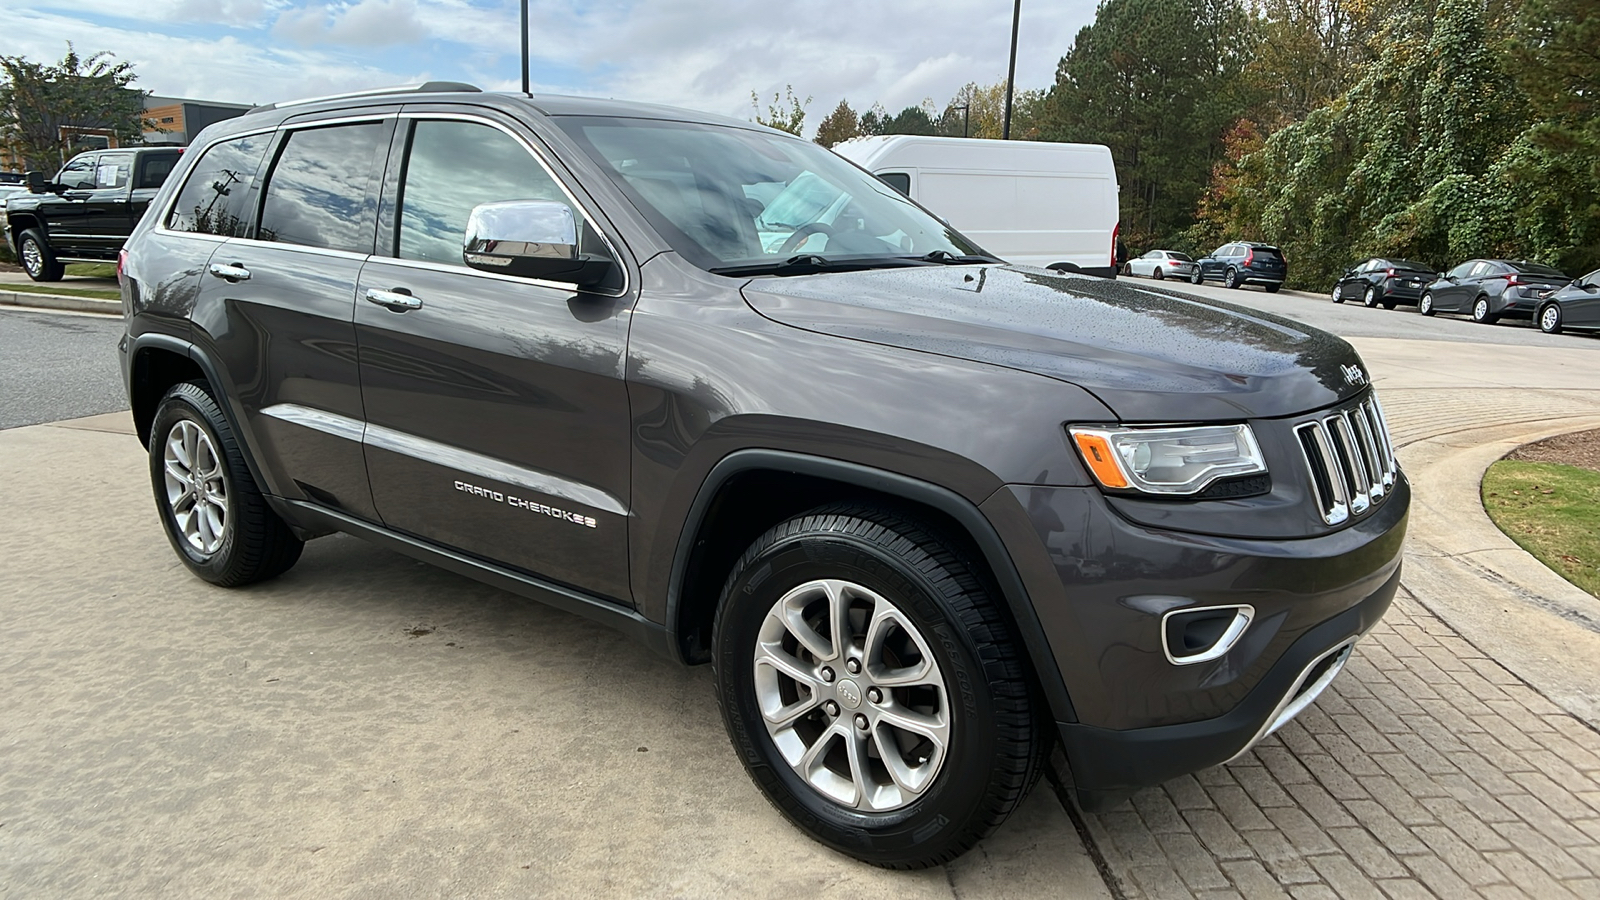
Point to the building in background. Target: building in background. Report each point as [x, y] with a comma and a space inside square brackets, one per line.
[180, 119]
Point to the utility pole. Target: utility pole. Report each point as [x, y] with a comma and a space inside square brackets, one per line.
[1011, 73]
[525, 46]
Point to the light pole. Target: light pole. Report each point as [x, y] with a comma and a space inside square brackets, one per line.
[1011, 73]
[525, 46]
[966, 117]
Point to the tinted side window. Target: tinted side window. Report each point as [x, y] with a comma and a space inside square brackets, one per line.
[452, 167]
[900, 181]
[316, 194]
[215, 198]
[1462, 270]
[78, 175]
[154, 169]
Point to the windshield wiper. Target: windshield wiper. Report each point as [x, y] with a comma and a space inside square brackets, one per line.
[945, 257]
[806, 263]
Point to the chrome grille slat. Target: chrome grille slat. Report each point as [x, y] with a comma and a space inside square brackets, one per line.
[1349, 458]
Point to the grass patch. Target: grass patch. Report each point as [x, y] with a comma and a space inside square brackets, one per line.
[92, 270]
[62, 291]
[1552, 511]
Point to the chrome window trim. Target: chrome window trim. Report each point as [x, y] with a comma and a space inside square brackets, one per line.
[539, 157]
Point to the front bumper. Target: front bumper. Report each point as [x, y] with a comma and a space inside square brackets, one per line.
[1100, 584]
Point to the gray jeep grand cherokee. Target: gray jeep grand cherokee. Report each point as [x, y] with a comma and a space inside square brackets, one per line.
[924, 513]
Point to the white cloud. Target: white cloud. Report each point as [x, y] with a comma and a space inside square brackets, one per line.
[368, 23]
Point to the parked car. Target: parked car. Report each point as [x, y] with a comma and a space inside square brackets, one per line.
[1159, 264]
[1575, 306]
[86, 213]
[908, 501]
[1241, 263]
[1491, 289]
[1034, 203]
[1386, 282]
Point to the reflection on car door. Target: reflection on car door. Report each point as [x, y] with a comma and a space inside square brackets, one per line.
[64, 213]
[496, 407]
[1583, 310]
[280, 309]
[1447, 296]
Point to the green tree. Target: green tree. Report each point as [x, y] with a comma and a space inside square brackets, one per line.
[911, 120]
[46, 108]
[1161, 101]
[872, 121]
[979, 109]
[785, 113]
[840, 125]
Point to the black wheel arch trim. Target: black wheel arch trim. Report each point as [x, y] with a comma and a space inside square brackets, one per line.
[966, 514]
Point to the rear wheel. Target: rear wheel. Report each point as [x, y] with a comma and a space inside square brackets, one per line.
[1425, 305]
[1156, 273]
[870, 685]
[1481, 313]
[1550, 319]
[1271, 287]
[215, 515]
[37, 259]
[1370, 298]
[1196, 277]
[1231, 280]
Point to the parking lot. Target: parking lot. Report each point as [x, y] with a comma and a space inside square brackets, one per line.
[370, 726]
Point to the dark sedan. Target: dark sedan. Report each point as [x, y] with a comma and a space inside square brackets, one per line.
[1491, 289]
[1386, 282]
[1576, 306]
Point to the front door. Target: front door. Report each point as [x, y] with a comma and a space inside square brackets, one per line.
[497, 414]
[1447, 296]
[105, 213]
[279, 310]
[64, 214]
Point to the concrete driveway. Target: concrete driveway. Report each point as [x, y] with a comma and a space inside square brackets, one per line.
[371, 726]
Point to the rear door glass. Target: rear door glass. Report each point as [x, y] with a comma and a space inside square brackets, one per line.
[318, 192]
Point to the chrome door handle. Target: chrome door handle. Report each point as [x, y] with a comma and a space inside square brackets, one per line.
[234, 272]
[395, 300]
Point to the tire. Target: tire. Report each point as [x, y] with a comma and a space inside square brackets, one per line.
[1157, 274]
[1336, 296]
[1196, 277]
[1549, 318]
[36, 258]
[1389, 304]
[945, 617]
[1370, 298]
[215, 516]
[1425, 305]
[1231, 280]
[1481, 313]
[1272, 287]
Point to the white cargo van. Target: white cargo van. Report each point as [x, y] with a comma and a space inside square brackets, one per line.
[1028, 202]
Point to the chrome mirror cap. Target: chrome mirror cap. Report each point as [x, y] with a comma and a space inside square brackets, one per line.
[503, 232]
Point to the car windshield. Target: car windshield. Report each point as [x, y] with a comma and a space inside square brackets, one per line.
[739, 200]
[1536, 269]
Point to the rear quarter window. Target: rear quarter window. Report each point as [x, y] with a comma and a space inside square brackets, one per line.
[215, 198]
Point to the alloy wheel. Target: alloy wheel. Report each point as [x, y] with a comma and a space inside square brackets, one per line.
[1425, 305]
[1371, 298]
[197, 492]
[32, 257]
[852, 695]
[1336, 296]
[1480, 310]
[1550, 319]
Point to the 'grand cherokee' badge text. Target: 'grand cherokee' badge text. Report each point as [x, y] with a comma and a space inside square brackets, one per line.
[554, 512]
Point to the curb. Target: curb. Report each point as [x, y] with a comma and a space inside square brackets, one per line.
[61, 301]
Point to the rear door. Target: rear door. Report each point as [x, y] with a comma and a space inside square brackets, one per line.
[279, 306]
[497, 414]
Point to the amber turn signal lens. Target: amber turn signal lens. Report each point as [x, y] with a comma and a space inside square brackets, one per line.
[1096, 452]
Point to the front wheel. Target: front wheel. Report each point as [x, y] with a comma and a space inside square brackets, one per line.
[36, 258]
[870, 685]
[1481, 314]
[1338, 296]
[215, 516]
[1425, 305]
[1550, 319]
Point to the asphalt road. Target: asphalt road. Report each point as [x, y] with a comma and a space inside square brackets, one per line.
[1354, 320]
[56, 366]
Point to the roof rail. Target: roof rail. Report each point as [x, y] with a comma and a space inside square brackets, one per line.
[430, 87]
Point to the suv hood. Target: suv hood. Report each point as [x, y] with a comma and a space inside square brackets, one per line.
[1148, 354]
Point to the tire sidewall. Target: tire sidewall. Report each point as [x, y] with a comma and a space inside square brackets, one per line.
[1231, 280]
[1554, 328]
[1425, 305]
[962, 783]
[1197, 278]
[182, 404]
[1483, 304]
[1370, 298]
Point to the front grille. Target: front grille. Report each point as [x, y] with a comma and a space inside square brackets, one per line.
[1350, 459]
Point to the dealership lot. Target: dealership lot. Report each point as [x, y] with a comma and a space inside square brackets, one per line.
[367, 725]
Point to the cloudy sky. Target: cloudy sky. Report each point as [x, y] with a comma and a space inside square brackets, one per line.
[706, 55]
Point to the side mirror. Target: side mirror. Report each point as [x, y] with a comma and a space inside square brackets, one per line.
[532, 239]
[37, 184]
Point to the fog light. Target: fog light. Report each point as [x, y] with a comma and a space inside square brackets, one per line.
[1190, 636]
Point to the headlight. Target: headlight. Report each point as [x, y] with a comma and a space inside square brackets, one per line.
[1171, 461]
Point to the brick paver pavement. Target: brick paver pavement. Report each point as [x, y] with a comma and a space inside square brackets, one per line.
[1426, 769]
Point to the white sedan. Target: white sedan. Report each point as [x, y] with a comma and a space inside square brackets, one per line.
[1159, 264]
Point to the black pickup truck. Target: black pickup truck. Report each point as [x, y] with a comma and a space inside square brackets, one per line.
[86, 213]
